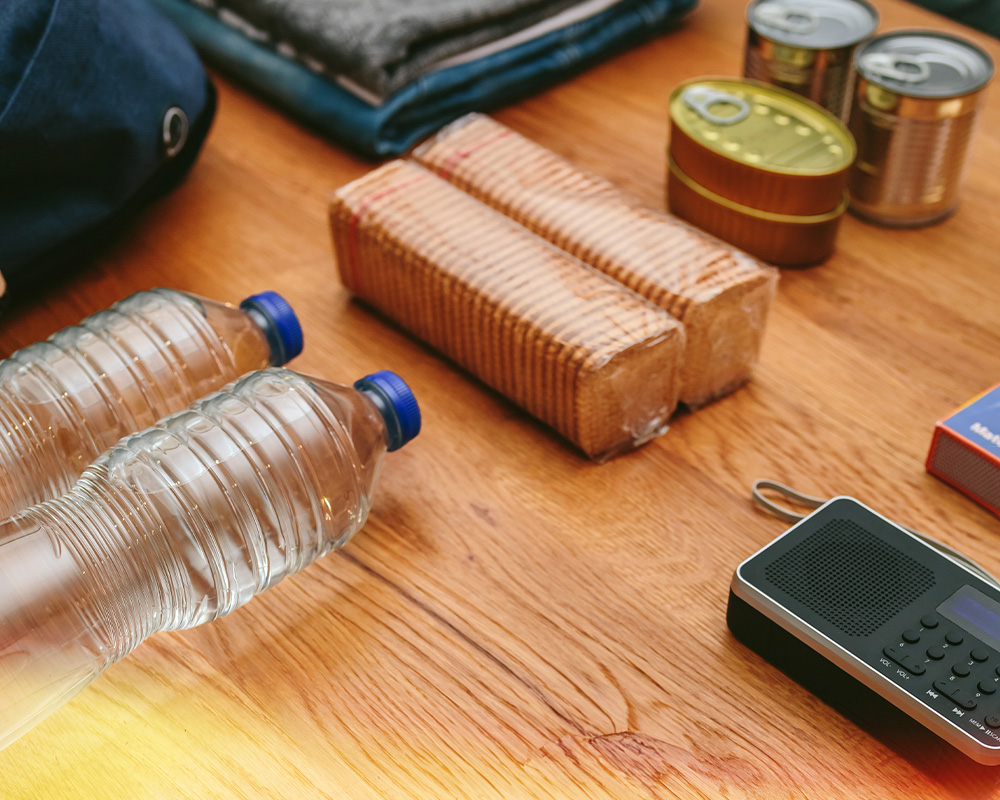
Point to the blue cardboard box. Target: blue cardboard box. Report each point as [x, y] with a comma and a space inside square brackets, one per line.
[965, 449]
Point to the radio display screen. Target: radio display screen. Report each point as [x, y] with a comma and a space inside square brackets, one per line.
[974, 611]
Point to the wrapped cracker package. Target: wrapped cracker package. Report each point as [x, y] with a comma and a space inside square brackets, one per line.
[577, 350]
[721, 294]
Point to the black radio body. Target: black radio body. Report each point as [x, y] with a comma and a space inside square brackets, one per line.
[863, 613]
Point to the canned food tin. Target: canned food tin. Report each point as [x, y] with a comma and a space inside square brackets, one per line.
[759, 167]
[785, 240]
[916, 101]
[807, 47]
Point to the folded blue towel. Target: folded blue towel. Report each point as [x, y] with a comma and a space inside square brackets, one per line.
[386, 129]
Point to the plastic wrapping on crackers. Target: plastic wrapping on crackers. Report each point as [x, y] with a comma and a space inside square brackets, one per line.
[577, 350]
[721, 294]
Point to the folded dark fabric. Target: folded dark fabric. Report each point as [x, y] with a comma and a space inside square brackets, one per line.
[379, 130]
[103, 106]
[981, 14]
[383, 45]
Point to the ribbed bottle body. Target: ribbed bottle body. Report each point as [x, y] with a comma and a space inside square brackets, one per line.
[178, 525]
[244, 487]
[64, 400]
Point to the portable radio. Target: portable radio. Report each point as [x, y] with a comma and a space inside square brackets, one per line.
[856, 608]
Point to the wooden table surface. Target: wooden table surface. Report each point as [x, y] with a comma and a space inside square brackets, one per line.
[515, 621]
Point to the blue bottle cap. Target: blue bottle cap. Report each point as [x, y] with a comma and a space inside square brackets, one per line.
[278, 322]
[397, 404]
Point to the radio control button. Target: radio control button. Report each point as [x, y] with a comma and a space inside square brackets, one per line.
[954, 638]
[911, 636]
[992, 720]
[961, 670]
[987, 687]
[930, 620]
[980, 654]
[956, 694]
[937, 653]
[904, 660]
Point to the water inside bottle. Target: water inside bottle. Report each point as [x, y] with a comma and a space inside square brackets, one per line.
[178, 525]
[65, 400]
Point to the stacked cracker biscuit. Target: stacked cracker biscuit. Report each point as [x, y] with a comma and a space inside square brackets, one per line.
[576, 349]
[721, 294]
[534, 276]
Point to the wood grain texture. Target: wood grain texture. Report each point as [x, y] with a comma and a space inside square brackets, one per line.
[515, 621]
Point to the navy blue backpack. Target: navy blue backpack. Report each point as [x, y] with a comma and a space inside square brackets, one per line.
[103, 106]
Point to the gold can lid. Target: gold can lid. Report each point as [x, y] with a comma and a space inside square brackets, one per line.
[762, 126]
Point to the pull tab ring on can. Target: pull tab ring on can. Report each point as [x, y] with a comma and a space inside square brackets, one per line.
[701, 99]
[917, 98]
[897, 67]
[795, 20]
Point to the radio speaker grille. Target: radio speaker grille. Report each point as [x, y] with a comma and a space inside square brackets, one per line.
[849, 577]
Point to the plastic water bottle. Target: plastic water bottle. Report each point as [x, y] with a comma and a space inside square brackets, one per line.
[67, 399]
[184, 522]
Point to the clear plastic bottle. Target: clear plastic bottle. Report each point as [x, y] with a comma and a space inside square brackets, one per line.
[184, 522]
[67, 399]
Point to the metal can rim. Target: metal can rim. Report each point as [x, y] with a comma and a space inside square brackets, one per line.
[796, 219]
[837, 126]
[835, 45]
[881, 82]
